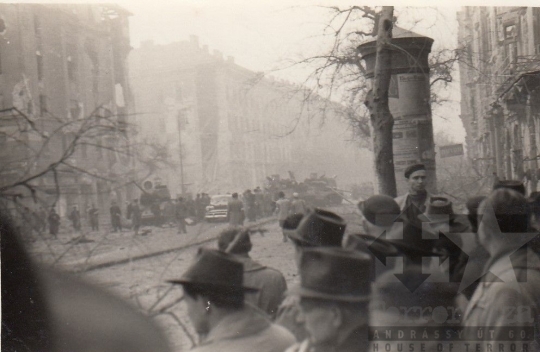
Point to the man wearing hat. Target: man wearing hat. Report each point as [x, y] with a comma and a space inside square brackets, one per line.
[513, 270]
[334, 297]
[270, 283]
[214, 294]
[413, 203]
[318, 228]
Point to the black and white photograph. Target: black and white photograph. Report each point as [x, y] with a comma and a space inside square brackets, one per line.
[270, 176]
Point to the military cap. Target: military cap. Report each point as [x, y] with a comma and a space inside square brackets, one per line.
[335, 274]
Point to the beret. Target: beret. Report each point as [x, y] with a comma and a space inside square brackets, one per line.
[413, 168]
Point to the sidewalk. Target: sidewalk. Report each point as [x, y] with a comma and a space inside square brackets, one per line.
[100, 250]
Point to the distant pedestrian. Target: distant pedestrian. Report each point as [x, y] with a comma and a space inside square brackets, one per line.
[54, 222]
[249, 206]
[42, 214]
[181, 215]
[298, 205]
[93, 214]
[116, 216]
[134, 213]
[283, 208]
[169, 213]
[235, 211]
[75, 217]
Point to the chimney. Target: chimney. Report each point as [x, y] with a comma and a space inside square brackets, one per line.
[194, 40]
[230, 59]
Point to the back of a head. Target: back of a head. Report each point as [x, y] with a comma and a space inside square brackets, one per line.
[510, 208]
[514, 185]
[380, 210]
[472, 207]
[240, 237]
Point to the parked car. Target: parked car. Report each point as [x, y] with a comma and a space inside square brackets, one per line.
[217, 210]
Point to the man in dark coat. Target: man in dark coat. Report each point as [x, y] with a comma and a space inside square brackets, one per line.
[134, 213]
[334, 297]
[181, 215]
[269, 281]
[318, 228]
[54, 222]
[507, 295]
[214, 292]
[235, 211]
[116, 216]
[93, 215]
[75, 218]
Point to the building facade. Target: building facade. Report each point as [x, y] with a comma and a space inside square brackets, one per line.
[500, 95]
[227, 128]
[60, 64]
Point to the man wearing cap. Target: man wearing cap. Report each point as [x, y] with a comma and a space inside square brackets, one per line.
[318, 228]
[270, 283]
[334, 297]
[413, 203]
[214, 295]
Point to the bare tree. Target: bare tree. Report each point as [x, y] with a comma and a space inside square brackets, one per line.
[42, 157]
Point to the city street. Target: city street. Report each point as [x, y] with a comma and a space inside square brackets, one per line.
[111, 261]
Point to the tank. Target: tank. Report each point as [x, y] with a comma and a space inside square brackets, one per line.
[317, 191]
[152, 202]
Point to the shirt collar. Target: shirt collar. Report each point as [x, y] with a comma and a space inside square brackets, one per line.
[244, 322]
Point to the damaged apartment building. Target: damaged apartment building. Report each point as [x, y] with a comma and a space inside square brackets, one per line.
[60, 64]
[500, 90]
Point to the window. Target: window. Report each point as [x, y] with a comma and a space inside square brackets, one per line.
[510, 31]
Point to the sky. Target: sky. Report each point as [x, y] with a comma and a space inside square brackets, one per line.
[266, 35]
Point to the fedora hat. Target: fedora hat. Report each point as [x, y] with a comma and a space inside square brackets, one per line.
[215, 269]
[319, 227]
[438, 210]
[335, 274]
[291, 223]
[378, 247]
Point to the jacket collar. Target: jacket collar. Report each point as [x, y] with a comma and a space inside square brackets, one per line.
[249, 264]
[244, 322]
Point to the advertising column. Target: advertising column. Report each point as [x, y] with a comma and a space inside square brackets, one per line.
[409, 103]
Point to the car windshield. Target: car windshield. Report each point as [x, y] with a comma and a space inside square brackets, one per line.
[219, 200]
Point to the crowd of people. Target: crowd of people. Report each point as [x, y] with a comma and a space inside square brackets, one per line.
[483, 269]
[449, 282]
